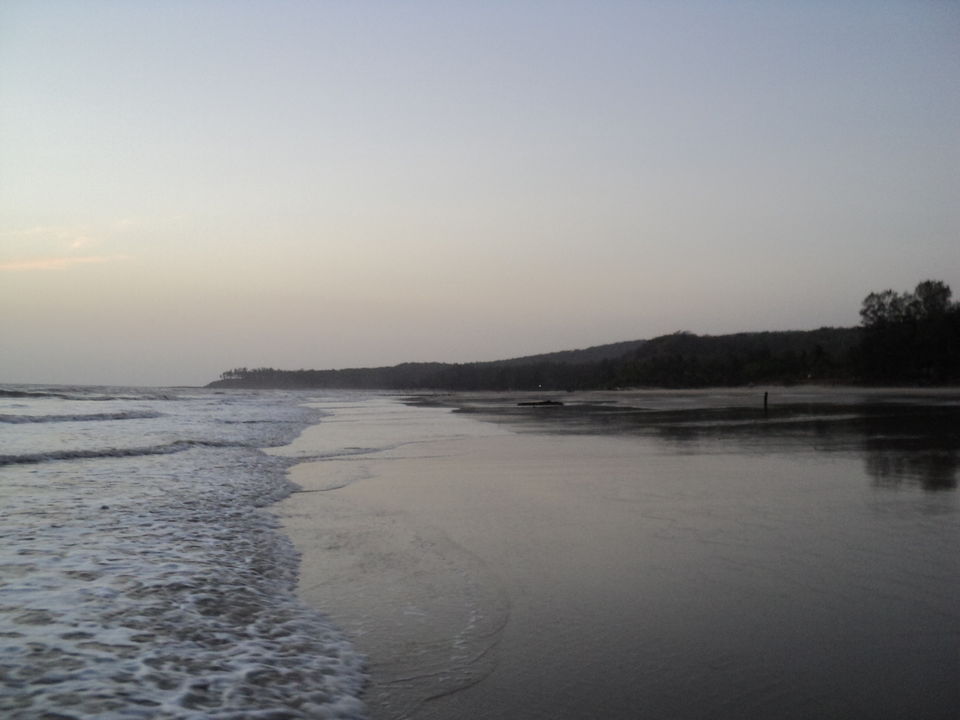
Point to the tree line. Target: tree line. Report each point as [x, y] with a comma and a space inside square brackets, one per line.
[911, 337]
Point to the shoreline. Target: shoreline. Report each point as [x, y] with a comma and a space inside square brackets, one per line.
[631, 397]
[453, 614]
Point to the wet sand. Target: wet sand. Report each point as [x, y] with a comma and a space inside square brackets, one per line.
[477, 560]
[536, 575]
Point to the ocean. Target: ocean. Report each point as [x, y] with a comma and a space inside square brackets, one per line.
[141, 575]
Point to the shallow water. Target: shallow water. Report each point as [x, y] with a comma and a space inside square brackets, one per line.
[141, 576]
[655, 555]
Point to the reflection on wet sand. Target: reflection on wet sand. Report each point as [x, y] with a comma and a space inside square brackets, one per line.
[650, 554]
[922, 449]
[900, 444]
[905, 437]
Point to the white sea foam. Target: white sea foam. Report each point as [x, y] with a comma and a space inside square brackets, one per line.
[146, 579]
[134, 415]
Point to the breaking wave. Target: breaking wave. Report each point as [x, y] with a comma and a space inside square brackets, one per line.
[144, 578]
[174, 447]
[93, 417]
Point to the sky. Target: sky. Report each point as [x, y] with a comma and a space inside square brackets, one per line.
[192, 186]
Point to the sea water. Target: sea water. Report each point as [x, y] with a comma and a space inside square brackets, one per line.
[141, 575]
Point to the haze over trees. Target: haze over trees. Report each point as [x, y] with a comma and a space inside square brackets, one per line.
[910, 338]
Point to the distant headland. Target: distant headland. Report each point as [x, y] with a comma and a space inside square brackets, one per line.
[904, 338]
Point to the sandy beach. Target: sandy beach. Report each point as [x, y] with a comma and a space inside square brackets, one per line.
[485, 557]
[492, 573]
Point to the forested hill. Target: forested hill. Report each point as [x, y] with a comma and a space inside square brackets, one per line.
[588, 355]
[677, 360]
[911, 337]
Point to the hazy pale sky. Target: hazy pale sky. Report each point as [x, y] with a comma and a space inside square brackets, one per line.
[191, 186]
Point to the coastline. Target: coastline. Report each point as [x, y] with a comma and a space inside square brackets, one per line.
[424, 610]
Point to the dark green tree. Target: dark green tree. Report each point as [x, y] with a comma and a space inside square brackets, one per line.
[911, 337]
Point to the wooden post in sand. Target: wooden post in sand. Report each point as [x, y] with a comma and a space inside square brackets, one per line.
[765, 403]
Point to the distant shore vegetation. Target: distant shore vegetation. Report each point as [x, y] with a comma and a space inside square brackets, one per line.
[908, 338]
